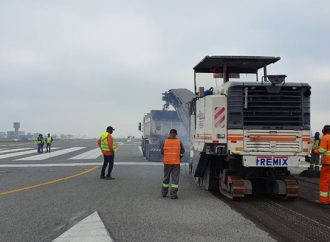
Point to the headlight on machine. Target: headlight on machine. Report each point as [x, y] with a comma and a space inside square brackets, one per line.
[221, 136]
[239, 149]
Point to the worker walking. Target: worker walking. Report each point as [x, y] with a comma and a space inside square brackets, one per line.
[48, 140]
[172, 150]
[315, 158]
[40, 143]
[325, 170]
[106, 144]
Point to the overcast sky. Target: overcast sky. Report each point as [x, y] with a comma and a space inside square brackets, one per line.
[76, 66]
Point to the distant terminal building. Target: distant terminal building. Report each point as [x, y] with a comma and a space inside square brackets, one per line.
[15, 134]
[3, 135]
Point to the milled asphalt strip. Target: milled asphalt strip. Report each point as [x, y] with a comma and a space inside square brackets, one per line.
[51, 154]
[13, 150]
[88, 229]
[92, 154]
[19, 153]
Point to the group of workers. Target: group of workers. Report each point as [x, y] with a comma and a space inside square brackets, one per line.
[40, 140]
[173, 150]
[321, 146]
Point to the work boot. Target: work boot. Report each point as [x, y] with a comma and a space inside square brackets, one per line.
[110, 178]
[174, 197]
[322, 204]
[102, 177]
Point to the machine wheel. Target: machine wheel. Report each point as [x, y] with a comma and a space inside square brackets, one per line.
[292, 188]
[233, 186]
[210, 178]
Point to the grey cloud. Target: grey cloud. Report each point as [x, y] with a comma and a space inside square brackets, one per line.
[77, 66]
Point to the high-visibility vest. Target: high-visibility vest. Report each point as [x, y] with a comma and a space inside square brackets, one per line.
[316, 144]
[172, 150]
[38, 140]
[325, 149]
[104, 141]
[49, 139]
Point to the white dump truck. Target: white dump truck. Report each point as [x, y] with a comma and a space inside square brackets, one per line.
[155, 128]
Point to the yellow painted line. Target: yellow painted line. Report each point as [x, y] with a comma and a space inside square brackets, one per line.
[48, 182]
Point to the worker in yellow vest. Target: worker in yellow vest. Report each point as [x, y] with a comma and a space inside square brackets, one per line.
[172, 150]
[315, 158]
[49, 140]
[40, 143]
[108, 148]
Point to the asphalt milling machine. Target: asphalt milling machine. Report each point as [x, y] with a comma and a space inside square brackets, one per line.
[246, 134]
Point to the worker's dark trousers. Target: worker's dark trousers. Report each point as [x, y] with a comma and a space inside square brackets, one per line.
[315, 162]
[173, 172]
[108, 159]
[39, 148]
[47, 147]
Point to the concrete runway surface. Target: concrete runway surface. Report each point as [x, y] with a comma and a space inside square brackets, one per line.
[43, 196]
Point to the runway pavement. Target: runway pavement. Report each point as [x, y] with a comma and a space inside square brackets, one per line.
[51, 193]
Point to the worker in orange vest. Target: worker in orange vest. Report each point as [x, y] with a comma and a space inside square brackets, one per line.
[325, 170]
[172, 151]
[106, 144]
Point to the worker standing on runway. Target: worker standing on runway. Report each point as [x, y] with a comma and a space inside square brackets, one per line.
[106, 144]
[38, 142]
[48, 140]
[325, 170]
[172, 150]
[315, 158]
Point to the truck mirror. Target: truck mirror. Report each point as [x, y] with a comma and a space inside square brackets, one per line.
[140, 126]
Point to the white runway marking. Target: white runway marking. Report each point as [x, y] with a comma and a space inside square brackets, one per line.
[92, 154]
[18, 153]
[82, 164]
[90, 228]
[51, 154]
[140, 150]
[13, 150]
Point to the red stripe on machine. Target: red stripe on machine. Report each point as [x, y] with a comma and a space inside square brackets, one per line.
[218, 113]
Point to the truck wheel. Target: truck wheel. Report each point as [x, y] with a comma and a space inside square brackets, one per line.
[147, 152]
[143, 147]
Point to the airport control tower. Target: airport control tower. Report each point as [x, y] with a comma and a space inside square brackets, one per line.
[17, 125]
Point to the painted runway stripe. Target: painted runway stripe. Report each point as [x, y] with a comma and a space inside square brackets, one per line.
[89, 155]
[51, 154]
[19, 153]
[13, 150]
[90, 228]
[82, 164]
